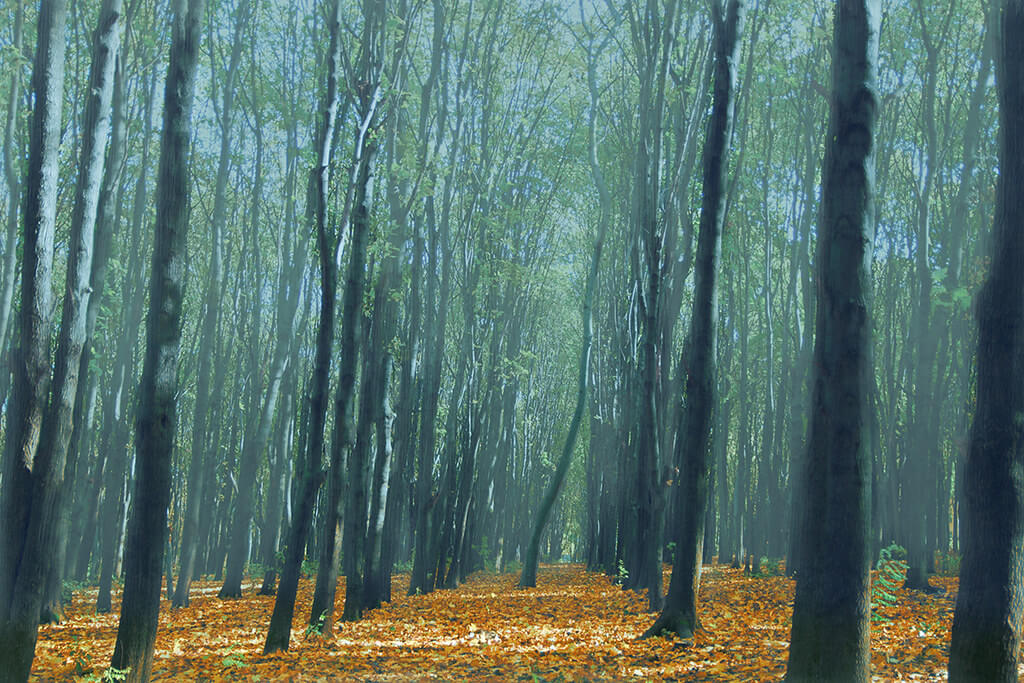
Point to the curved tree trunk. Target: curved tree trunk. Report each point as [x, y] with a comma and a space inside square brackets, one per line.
[279, 632]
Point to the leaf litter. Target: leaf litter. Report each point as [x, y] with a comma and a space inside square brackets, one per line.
[575, 626]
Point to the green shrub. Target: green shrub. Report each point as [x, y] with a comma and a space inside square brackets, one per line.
[770, 566]
[69, 588]
[892, 572]
[948, 564]
[309, 568]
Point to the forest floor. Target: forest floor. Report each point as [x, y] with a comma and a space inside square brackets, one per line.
[575, 626]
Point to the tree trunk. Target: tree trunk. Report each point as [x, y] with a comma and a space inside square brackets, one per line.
[52, 455]
[23, 541]
[155, 432]
[693, 444]
[831, 609]
[12, 172]
[197, 497]
[279, 631]
[989, 613]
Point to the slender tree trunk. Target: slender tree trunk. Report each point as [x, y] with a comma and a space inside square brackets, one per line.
[694, 444]
[51, 457]
[12, 172]
[358, 463]
[279, 631]
[23, 539]
[155, 431]
[201, 430]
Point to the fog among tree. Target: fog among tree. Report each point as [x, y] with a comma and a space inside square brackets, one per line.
[360, 299]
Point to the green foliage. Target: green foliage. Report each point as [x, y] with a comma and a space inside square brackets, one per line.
[623, 572]
[309, 568]
[769, 566]
[69, 588]
[948, 564]
[892, 572]
[318, 627]
[235, 660]
[110, 675]
[255, 570]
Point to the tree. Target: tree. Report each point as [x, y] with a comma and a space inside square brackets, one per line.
[21, 588]
[201, 431]
[279, 631]
[831, 610]
[364, 170]
[157, 418]
[989, 613]
[693, 442]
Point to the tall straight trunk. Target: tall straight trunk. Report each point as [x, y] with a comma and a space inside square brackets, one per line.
[655, 37]
[922, 440]
[743, 450]
[115, 433]
[293, 256]
[21, 544]
[989, 615]
[12, 173]
[422, 580]
[279, 631]
[155, 432]
[52, 456]
[363, 175]
[694, 445]
[380, 365]
[528, 577]
[358, 461]
[258, 433]
[197, 497]
[107, 223]
[831, 609]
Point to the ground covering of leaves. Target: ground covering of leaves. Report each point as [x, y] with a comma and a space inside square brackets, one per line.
[574, 626]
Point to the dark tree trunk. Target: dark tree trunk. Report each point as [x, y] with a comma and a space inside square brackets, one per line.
[831, 609]
[279, 632]
[987, 624]
[24, 537]
[693, 444]
[155, 430]
[115, 434]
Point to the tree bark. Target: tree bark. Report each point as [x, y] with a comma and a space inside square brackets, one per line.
[693, 443]
[831, 609]
[22, 539]
[986, 633]
[279, 631]
[155, 430]
[197, 497]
